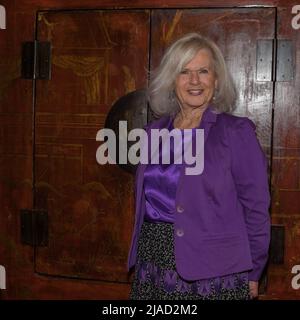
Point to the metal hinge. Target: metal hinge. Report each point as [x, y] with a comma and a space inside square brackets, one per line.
[34, 227]
[36, 60]
[285, 60]
[277, 245]
[267, 69]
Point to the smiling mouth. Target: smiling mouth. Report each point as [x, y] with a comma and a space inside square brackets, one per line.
[195, 92]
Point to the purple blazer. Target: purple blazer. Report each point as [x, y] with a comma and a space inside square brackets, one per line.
[222, 223]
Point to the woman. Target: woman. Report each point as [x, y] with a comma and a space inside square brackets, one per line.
[200, 236]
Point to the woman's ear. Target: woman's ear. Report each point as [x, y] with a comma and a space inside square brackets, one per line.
[216, 84]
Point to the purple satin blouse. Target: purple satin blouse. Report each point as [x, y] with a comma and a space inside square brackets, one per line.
[160, 185]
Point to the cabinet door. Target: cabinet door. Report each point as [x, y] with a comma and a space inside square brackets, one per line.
[97, 57]
[238, 32]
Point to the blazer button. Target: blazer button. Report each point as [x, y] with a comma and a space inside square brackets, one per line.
[179, 232]
[179, 208]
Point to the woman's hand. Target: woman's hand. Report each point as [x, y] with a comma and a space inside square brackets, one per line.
[253, 288]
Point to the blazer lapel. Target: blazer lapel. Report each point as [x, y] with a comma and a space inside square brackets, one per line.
[208, 119]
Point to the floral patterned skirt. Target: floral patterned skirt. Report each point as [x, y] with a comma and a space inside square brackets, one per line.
[156, 277]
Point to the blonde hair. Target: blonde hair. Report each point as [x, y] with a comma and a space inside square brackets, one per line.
[161, 91]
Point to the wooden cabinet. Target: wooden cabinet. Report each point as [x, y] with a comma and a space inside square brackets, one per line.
[97, 57]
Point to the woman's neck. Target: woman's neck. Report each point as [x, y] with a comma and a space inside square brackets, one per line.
[188, 118]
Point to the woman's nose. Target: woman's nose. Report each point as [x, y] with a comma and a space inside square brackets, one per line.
[194, 77]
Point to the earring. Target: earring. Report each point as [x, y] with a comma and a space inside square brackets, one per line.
[215, 94]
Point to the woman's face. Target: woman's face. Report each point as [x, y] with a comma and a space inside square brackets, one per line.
[196, 83]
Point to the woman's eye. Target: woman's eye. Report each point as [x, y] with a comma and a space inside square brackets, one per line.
[203, 71]
[184, 72]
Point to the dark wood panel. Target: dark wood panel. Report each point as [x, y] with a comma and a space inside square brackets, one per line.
[286, 167]
[33, 286]
[97, 58]
[148, 3]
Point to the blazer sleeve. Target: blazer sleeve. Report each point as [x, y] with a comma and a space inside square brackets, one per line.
[249, 169]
